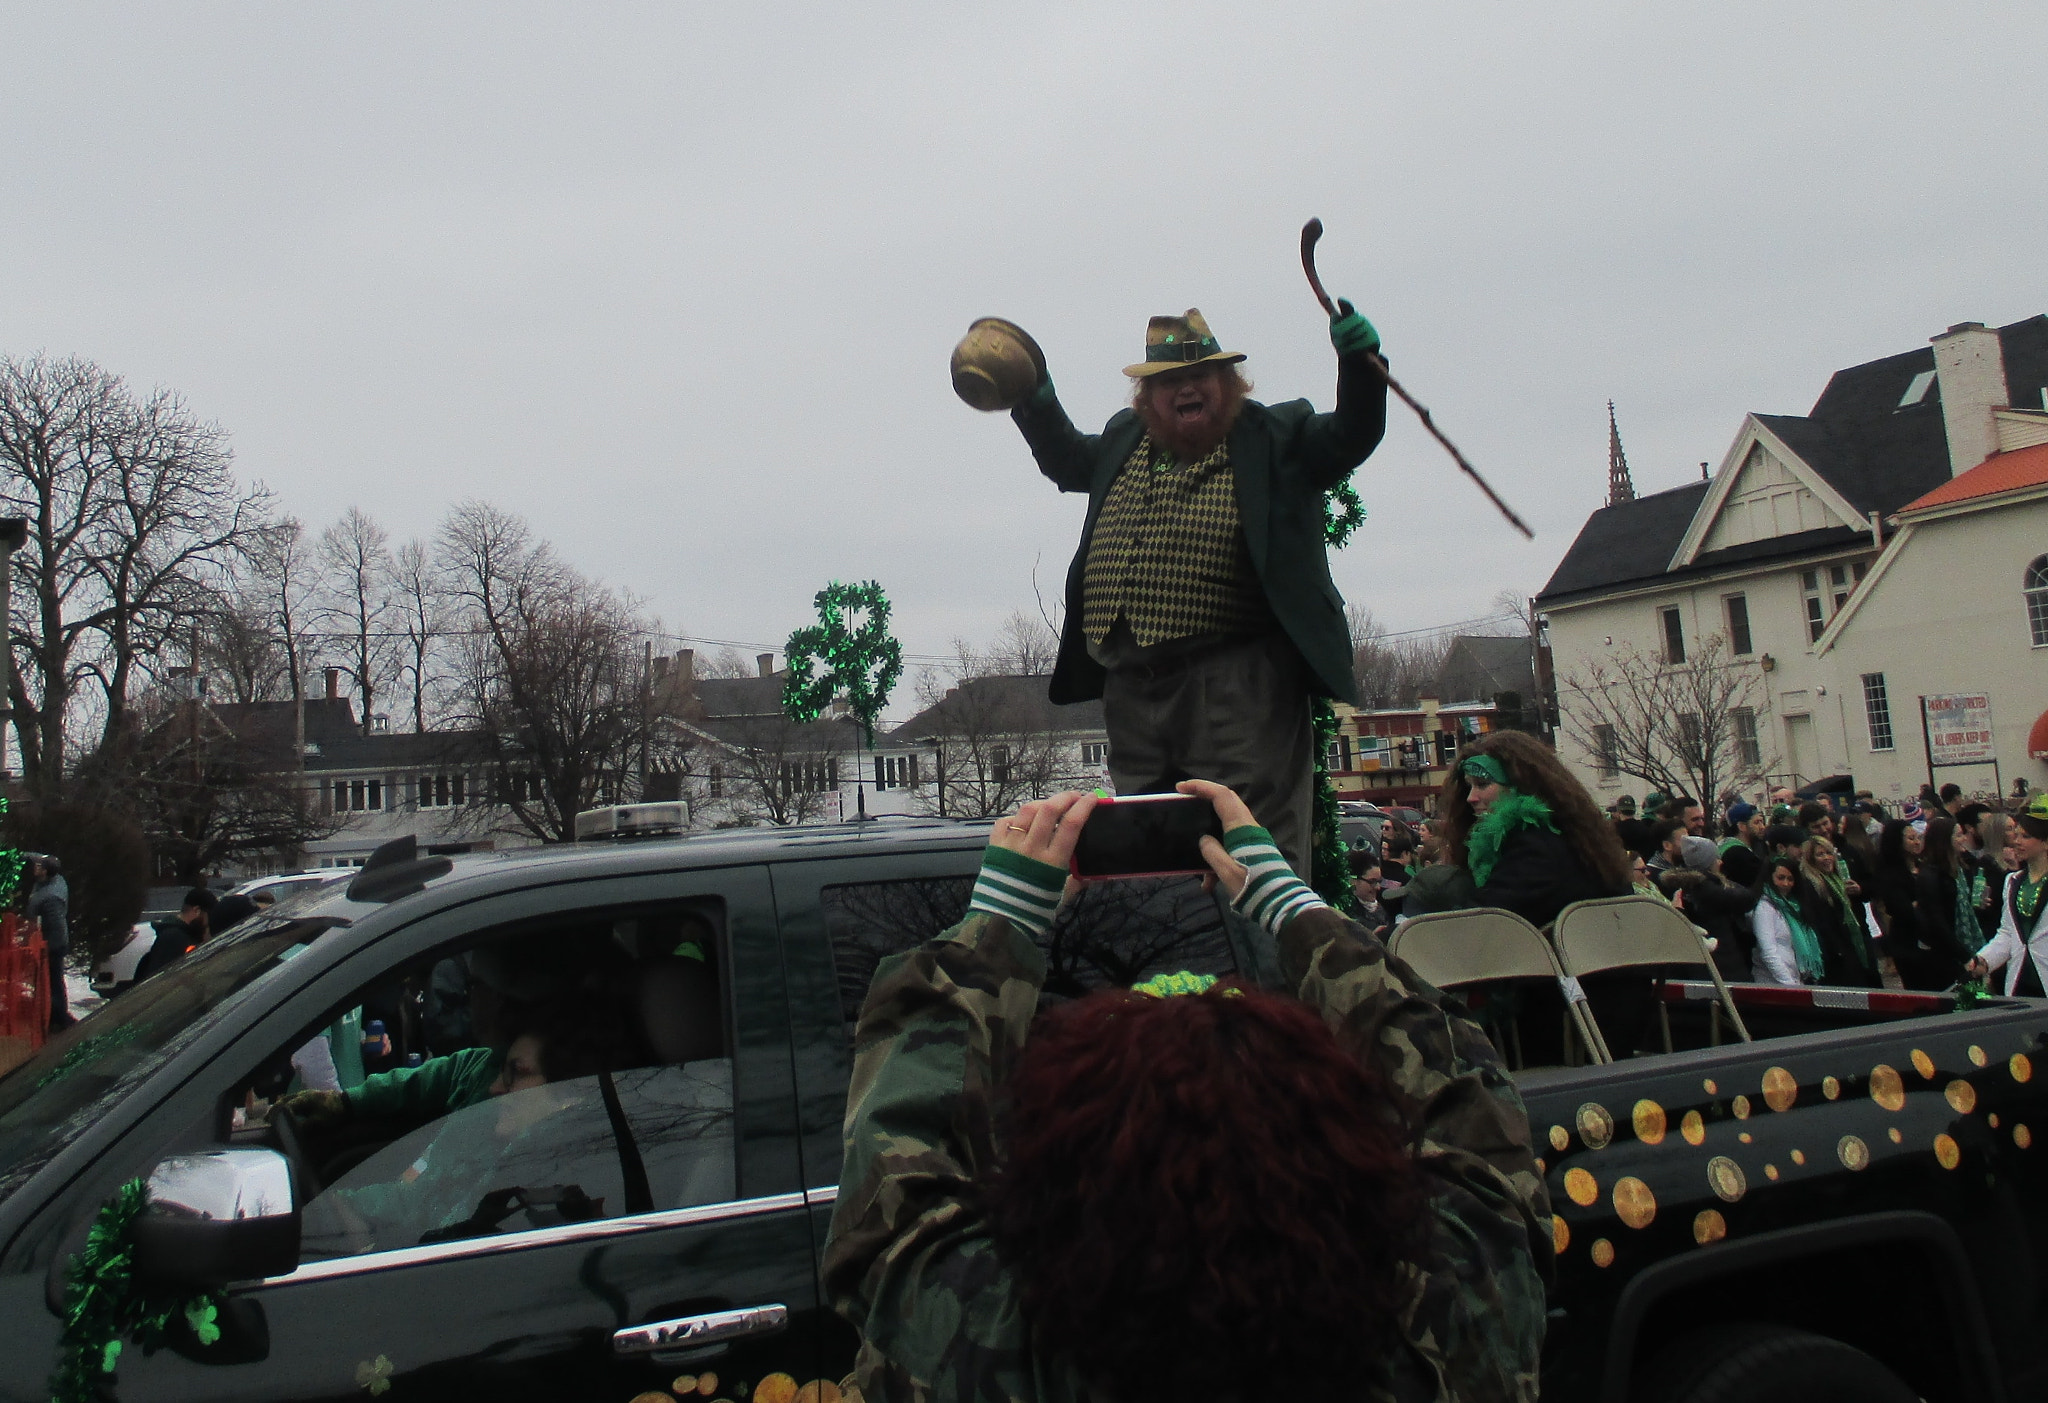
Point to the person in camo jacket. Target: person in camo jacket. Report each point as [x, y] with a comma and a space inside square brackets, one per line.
[1231, 1195]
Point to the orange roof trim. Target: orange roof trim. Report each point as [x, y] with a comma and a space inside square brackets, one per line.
[2001, 472]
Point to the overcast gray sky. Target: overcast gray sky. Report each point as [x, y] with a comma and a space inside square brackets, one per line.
[679, 282]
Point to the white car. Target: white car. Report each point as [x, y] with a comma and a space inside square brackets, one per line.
[116, 972]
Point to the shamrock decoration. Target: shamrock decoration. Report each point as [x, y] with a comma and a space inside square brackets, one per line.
[832, 657]
[104, 1300]
[375, 1375]
[1343, 513]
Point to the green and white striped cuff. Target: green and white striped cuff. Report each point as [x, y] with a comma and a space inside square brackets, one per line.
[1020, 889]
[1272, 894]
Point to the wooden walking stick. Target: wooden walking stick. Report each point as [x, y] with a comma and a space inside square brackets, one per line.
[1312, 231]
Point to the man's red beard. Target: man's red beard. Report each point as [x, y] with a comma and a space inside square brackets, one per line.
[1190, 442]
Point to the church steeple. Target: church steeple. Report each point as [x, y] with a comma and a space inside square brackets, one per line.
[1620, 487]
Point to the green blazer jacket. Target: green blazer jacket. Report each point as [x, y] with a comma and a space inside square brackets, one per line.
[1285, 457]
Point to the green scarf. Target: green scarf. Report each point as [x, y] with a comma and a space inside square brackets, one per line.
[1511, 809]
[1805, 944]
[1968, 933]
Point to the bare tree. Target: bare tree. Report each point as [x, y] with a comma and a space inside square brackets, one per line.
[135, 524]
[1392, 669]
[1685, 728]
[1024, 647]
[422, 611]
[354, 605]
[726, 662]
[994, 738]
[770, 769]
[551, 677]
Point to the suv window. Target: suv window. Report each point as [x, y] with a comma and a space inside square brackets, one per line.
[556, 1071]
[1112, 934]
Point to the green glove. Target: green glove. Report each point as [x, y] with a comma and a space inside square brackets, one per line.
[1350, 333]
[317, 1109]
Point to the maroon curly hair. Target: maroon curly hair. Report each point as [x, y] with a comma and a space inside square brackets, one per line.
[1204, 1196]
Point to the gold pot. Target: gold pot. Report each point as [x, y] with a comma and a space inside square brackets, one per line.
[996, 365]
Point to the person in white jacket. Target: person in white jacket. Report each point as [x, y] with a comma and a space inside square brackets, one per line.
[2022, 909]
[1787, 949]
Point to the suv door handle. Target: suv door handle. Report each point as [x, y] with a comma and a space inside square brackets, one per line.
[695, 1331]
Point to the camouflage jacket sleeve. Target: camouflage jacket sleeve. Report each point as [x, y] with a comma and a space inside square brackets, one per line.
[1475, 1326]
[909, 1260]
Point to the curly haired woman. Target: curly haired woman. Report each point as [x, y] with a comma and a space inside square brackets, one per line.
[1223, 1194]
[1527, 831]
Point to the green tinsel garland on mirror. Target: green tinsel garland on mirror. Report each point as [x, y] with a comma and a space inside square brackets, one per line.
[1329, 873]
[828, 658]
[105, 1301]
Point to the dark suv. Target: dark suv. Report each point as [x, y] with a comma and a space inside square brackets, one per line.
[661, 1173]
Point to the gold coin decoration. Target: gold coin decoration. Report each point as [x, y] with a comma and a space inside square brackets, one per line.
[1648, 1119]
[818, 1391]
[1581, 1188]
[1799, 1156]
[1741, 1108]
[1977, 1055]
[684, 1383]
[1603, 1252]
[1771, 1172]
[776, 1388]
[1634, 1204]
[1923, 1064]
[707, 1384]
[1993, 1118]
[1560, 1139]
[1745, 1137]
[1542, 1167]
[1830, 1087]
[1692, 1128]
[1781, 1089]
[1560, 1234]
[1962, 1097]
[651, 1396]
[1596, 1127]
[1709, 1226]
[1947, 1152]
[2020, 1067]
[1897, 1138]
[1852, 1152]
[1886, 1088]
[1724, 1176]
[1712, 1090]
[2022, 1136]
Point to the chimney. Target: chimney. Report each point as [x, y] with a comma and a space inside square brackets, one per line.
[334, 684]
[686, 664]
[765, 662]
[1969, 366]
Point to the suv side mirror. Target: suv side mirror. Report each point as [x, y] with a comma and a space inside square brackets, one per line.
[222, 1216]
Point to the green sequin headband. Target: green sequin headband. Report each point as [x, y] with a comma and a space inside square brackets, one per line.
[1483, 768]
[1170, 986]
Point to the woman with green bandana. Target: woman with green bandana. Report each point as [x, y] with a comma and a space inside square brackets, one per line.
[1787, 948]
[1527, 831]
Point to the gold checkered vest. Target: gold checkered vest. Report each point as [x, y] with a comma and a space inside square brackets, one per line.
[1167, 554]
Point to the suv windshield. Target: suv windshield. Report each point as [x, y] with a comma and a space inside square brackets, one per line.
[80, 1074]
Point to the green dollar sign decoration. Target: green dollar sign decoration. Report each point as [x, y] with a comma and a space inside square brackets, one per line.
[1329, 872]
[832, 658]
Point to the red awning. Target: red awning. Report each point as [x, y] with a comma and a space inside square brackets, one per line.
[2037, 739]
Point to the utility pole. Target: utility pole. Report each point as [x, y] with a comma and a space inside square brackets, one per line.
[13, 536]
[646, 708]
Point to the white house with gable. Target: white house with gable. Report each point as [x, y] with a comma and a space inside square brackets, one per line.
[1877, 544]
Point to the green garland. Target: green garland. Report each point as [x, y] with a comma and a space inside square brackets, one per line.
[104, 1301]
[827, 659]
[12, 861]
[1329, 872]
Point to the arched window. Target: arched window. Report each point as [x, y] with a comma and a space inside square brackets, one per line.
[2034, 588]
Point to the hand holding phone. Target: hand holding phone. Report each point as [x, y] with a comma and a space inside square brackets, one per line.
[1146, 835]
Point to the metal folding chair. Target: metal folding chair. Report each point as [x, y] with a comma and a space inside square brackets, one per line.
[1638, 932]
[1454, 949]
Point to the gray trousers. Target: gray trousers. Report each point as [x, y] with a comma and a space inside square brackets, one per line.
[1236, 713]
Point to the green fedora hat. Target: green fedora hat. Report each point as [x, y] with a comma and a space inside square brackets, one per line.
[1174, 342]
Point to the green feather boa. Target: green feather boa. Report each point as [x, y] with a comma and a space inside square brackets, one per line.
[1510, 810]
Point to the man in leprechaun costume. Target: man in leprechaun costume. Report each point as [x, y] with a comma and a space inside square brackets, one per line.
[1200, 607]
